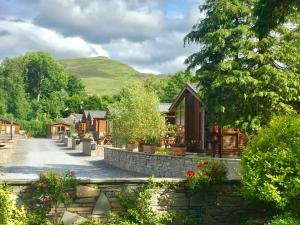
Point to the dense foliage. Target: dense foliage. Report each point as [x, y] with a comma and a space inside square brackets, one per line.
[247, 78]
[136, 116]
[11, 214]
[209, 171]
[271, 164]
[51, 189]
[284, 220]
[272, 13]
[35, 89]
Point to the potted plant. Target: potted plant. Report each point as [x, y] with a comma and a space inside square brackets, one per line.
[149, 144]
[75, 140]
[132, 146]
[179, 149]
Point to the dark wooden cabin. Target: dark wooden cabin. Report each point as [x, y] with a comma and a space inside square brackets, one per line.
[84, 124]
[9, 128]
[194, 130]
[98, 124]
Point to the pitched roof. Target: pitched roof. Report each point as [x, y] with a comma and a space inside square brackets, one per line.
[86, 112]
[65, 121]
[100, 114]
[193, 88]
[9, 120]
[164, 107]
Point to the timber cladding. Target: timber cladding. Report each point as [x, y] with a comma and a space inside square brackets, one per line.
[9, 127]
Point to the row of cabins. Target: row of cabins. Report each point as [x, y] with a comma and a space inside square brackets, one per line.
[91, 121]
[186, 112]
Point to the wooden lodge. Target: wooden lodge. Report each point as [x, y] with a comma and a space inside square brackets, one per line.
[57, 127]
[98, 124]
[194, 130]
[9, 128]
[83, 124]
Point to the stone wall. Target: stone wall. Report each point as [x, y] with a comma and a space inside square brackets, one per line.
[160, 165]
[221, 204]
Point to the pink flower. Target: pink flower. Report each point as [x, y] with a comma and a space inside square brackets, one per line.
[45, 185]
[46, 198]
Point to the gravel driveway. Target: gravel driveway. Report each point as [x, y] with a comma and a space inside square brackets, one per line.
[36, 155]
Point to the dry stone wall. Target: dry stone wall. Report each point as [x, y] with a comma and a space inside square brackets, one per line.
[160, 165]
[221, 204]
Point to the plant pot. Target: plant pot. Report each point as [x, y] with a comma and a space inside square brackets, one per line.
[179, 151]
[132, 147]
[149, 149]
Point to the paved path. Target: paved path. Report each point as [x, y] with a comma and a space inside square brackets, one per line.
[36, 155]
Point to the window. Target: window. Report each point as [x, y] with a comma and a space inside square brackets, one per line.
[180, 113]
[230, 141]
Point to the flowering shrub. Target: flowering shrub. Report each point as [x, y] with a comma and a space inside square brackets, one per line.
[51, 189]
[209, 171]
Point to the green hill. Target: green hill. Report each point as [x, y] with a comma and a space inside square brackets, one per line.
[101, 75]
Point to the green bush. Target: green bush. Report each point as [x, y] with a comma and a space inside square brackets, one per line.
[10, 214]
[271, 164]
[36, 128]
[284, 220]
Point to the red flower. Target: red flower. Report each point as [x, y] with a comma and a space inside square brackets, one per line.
[205, 163]
[45, 185]
[224, 173]
[199, 165]
[190, 173]
[214, 170]
[46, 198]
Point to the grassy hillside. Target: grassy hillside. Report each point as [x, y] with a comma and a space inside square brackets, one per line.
[102, 75]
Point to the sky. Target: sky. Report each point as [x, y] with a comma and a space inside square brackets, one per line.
[145, 34]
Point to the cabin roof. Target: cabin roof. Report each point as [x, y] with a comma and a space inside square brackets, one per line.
[99, 114]
[164, 107]
[193, 88]
[9, 120]
[64, 121]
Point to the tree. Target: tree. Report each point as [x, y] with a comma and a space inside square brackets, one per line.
[43, 75]
[246, 80]
[155, 85]
[271, 164]
[174, 85]
[136, 117]
[12, 81]
[93, 102]
[75, 85]
[272, 13]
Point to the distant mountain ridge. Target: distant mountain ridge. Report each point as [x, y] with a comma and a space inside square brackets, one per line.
[101, 75]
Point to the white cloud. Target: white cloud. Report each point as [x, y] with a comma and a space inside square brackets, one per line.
[137, 32]
[102, 20]
[22, 36]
